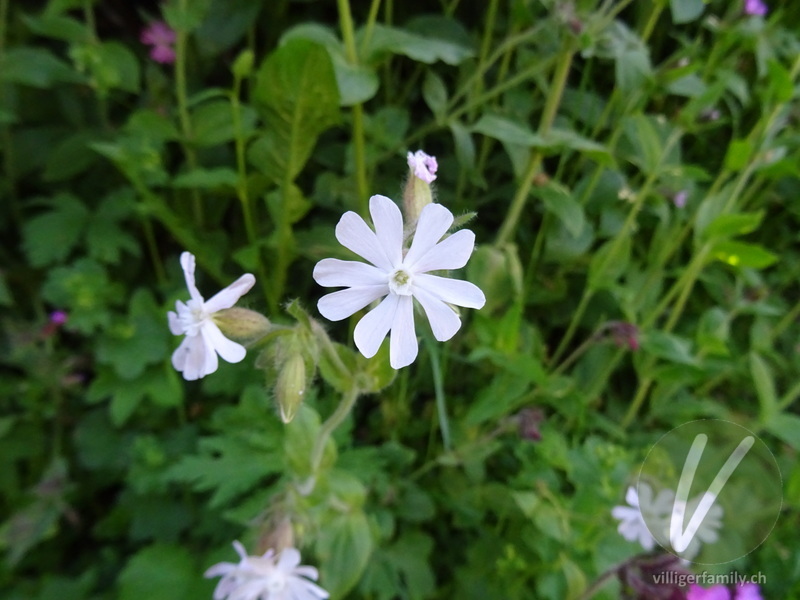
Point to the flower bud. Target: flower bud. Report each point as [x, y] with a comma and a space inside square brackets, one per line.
[417, 193]
[241, 324]
[291, 386]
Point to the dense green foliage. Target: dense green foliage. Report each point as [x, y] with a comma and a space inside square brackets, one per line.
[634, 167]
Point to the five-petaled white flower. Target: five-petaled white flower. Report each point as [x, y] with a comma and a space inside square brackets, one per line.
[399, 276]
[196, 357]
[267, 577]
[423, 165]
[633, 525]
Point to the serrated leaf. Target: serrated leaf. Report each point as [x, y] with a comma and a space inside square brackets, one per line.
[50, 237]
[106, 235]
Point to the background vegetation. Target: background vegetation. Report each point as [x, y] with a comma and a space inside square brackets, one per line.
[634, 170]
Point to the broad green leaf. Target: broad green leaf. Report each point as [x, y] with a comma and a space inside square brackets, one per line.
[559, 200]
[207, 178]
[35, 67]
[72, 155]
[764, 382]
[58, 27]
[731, 225]
[50, 237]
[785, 427]
[423, 48]
[609, 263]
[297, 95]
[344, 546]
[185, 16]
[738, 155]
[375, 374]
[108, 233]
[507, 130]
[108, 65]
[338, 371]
[668, 346]
[648, 145]
[741, 254]
[224, 24]
[160, 572]
[464, 147]
[686, 11]
[301, 434]
[213, 124]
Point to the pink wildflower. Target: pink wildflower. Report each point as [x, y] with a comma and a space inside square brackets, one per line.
[160, 36]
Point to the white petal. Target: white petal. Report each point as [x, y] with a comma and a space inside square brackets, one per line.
[306, 590]
[340, 305]
[187, 264]
[354, 234]
[240, 549]
[332, 272]
[174, 323]
[452, 253]
[288, 559]
[227, 349]
[403, 342]
[195, 358]
[452, 291]
[434, 221]
[388, 227]
[231, 294]
[219, 569]
[632, 495]
[443, 319]
[373, 327]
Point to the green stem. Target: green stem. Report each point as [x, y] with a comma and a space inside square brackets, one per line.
[441, 400]
[372, 17]
[329, 426]
[359, 153]
[183, 113]
[548, 115]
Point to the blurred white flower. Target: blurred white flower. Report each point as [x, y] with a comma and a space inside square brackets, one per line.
[196, 356]
[643, 512]
[267, 577]
[399, 276]
[423, 165]
[706, 532]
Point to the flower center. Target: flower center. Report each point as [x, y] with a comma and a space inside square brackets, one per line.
[276, 582]
[192, 317]
[400, 282]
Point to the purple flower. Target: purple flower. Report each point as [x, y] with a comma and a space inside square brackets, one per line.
[748, 591]
[58, 317]
[423, 165]
[679, 199]
[716, 592]
[160, 36]
[755, 8]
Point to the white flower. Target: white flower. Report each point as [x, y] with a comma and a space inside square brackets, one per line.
[196, 357]
[266, 577]
[707, 530]
[423, 165]
[398, 275]
[643, 512]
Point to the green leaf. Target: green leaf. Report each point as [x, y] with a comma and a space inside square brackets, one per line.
[207, 178]
[137, 340]
[50, 237]
[297, 95]
[731, 225]
[185, 16]
[58, 27]
[375, 374]
[435, 94]
[686, 11]
[427, 48]
[109, 65]
[738, 155]
[741, 254]
[605, 268]
[464, 147]
[35, 67]
[344, 546]
[213, 124]
[71, 156]
[332, 373]
[559, 200]
[764, 382]
[301, 434]
[506, 130]
[161, 572]
[668, 346]
[785, 427]
[107, 235]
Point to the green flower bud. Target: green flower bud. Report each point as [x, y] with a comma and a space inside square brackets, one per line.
[291, 386]
[241, 324]
[243, 65]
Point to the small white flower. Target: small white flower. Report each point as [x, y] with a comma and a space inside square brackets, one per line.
[643, 509]
[423, 165]
[196, 357]
[707, 530]
[266, 577]
[399, 276]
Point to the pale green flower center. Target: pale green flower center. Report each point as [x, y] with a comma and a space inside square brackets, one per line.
[400, 282]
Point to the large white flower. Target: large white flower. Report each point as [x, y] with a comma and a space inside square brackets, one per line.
[196, 357]
[399, 276]
[267, 577]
